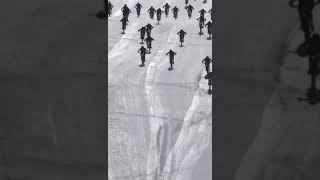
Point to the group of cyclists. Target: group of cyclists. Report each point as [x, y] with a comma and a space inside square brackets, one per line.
[145, 31]
[152, 11]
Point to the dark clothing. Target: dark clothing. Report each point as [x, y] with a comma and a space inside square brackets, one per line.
[148, 32]
[211, 14]
[207, 62]
[125, 9]
[175, 9]
[182, 32]
[142, 32]
[171, 54]
[149, 41]
[106, 6]
[166, 8]
[143, 51]
[210, 27]
[125, 12]
[138, 6]
[171, 57]
[210, 80]
[304, 5]
[305, 8]
[151, 11]
[109, 8]
[314, 65]
[159, 11]
[189, 8]
[181, 35]
[201, 21]
[124, 22]
[313, 45]
[202, 12]
[149, 27]
[175, 12]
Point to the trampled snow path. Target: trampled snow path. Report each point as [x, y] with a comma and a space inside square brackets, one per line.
[152, 110]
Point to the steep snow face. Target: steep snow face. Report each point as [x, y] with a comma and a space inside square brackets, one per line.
[159, 121]
[287, 146]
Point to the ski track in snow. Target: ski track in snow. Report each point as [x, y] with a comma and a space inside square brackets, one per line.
[196, 125]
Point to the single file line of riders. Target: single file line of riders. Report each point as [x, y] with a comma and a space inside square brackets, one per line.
[166, 9]
[207, 61]
[175, 11]
[171, 58]
[149, 28]
[138, 7]
[151, 11]
[124, 21]
[189, 9]
[148, 41]
[201, 20]
[210, 29]
[159, 13]
[142, 31]
[181, 34]
[305, 8]
[109, 8]
[143, 51]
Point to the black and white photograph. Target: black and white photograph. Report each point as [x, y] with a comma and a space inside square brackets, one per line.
[160, 87]
[159, 90]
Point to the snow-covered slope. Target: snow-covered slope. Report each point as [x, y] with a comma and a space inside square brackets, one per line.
[159, 121]
[287, 146]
